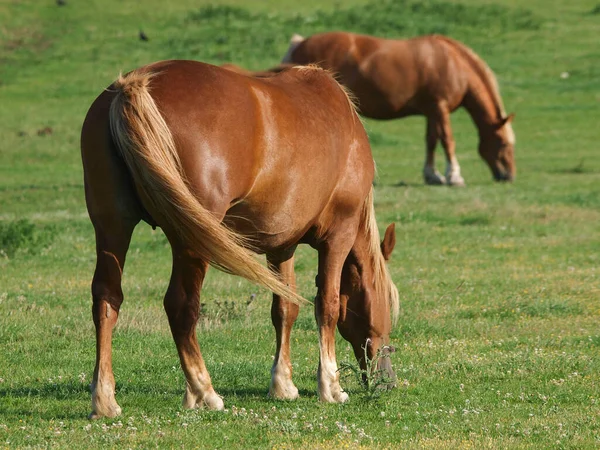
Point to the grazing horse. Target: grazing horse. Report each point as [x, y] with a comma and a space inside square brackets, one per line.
[229, 166]
[431, 76]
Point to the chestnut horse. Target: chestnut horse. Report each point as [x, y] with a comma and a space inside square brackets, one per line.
[225, 164]
[431, 76]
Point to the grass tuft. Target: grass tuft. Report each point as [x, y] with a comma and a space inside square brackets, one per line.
[23, 236]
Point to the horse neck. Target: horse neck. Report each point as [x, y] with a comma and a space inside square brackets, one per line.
[482, 106]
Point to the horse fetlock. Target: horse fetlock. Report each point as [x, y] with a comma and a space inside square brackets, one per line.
[330, 390]
[282, 388]
[332, 394]
[456, 180]
[210, 400]
[213, 401]
[453, 176]
[103, 402]
[433, 177]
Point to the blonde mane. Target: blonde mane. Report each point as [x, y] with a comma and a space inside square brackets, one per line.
[482, 69]
[489, 80]
[384, 286]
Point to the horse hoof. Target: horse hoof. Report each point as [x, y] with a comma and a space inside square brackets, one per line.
[214, 402]
[435, 179]
[337, 397]
[457, 182]
[284, 393]
[111, 412]
[342, 397]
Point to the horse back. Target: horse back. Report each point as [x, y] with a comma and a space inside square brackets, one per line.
[269, 155]
[390, 77]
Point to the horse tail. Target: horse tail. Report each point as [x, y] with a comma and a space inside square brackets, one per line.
[383, 281]
[146, 144]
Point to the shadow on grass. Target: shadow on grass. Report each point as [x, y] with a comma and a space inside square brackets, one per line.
[58, 391]
[257, 394]
[578, 169]
[18, 402]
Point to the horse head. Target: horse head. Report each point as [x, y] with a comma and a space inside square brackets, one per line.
[497, 148]
[369, 304]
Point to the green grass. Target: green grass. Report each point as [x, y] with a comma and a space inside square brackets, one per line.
[499, 330]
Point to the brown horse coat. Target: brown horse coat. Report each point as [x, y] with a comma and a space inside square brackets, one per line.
[429, 75]
[281, 160]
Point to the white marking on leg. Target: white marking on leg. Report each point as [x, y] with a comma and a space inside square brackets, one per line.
[199, 392]
[453, 175]
[329, 381]
[282, 387]
[103, 399]
[432, 176]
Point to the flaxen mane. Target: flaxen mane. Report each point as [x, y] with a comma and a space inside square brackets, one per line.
[482, 69]
[384, 285]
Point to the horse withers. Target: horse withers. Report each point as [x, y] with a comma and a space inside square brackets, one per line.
[226, 164]
[430, 76]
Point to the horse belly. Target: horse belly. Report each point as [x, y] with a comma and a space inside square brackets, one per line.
[278, 215]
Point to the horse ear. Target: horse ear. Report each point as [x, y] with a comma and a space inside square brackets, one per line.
[507, 119]
[296, 39]
[389, 241]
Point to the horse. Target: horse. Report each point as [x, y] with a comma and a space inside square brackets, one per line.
[229, 166]
[428, 75]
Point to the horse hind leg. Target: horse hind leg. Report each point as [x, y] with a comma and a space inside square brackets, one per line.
[283, 316]
[114, 210]
[182, 304]
[430, 174]
[113, 235]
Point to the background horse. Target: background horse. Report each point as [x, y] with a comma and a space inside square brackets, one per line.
[431, 76]
[222, 163]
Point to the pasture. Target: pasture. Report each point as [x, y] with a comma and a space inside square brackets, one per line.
[499, 331]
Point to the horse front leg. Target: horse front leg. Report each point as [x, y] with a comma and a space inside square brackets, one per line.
[453, 176]
[112, 241]
[327, 311]
[283, 316]
[182, 305]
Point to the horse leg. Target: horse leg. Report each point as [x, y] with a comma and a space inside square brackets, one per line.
[327, 311]
[453, 176]
[283, 316]
[112, 241]
[431, 175]
[182, 305]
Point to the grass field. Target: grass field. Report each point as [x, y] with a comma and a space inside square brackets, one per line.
[499, 334]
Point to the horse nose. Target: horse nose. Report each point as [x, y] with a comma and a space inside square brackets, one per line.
[504, 176]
